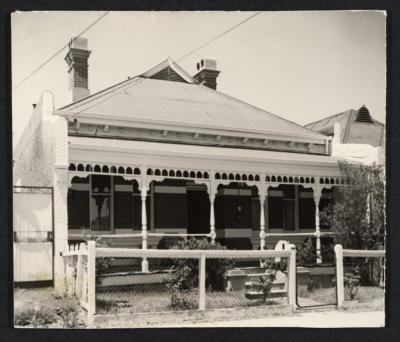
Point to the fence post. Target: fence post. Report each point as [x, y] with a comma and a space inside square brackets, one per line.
[339, 275]
[91, 275]
[292, 277]
[79, 270]
[202, 282]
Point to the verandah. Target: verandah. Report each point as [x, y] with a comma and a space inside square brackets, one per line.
[258, 208]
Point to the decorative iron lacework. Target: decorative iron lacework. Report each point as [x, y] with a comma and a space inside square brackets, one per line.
[201, 174]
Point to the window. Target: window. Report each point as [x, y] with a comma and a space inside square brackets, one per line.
[123, 203]
[281, 208]
[306, 208]
[100, 203]
[78, 204]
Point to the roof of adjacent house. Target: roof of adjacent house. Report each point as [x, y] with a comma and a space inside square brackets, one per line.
[356, 126]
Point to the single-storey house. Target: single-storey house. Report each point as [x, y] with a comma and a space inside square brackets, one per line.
[164, 154]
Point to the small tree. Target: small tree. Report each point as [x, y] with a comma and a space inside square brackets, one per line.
[357, 218]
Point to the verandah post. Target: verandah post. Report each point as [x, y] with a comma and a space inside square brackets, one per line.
[292, 277]
[317, 198]
[339, 275]
[91, 278]
[211, 194]
[202, 282]
[262, 189]
[143, 193]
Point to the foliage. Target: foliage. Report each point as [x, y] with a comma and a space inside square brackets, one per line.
[328, 253]
[352, 282]
[37, 318]
[184, 299]
[310, 284]
[263, 285]
[357, 217]
[307, 254]
[69, 315]
[102, 263]
[184, 277]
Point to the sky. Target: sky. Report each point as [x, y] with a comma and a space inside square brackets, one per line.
[300, 65]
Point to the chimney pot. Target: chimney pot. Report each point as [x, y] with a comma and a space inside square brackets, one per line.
[207, 72]
[77, 60]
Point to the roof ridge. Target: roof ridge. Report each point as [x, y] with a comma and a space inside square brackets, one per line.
[168, 62]
[101, 93]
[330, 117]
[261, 110]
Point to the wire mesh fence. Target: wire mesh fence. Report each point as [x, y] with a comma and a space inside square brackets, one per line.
[122, 287]
[316, 285]
[364, 278]
[236, 282]
[172, 284]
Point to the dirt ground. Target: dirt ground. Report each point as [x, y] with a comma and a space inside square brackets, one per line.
[42, 307]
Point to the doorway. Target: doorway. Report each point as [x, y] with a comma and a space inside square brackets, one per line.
[198, 210]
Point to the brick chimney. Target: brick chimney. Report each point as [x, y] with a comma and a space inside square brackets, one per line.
[207, 72]
[77, 60]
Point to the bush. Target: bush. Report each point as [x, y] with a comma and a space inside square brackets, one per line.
[37, 318]
[69, 315]
[183, 299]
[352, 283]
[307, 254]
[184, 278]
[263, 285]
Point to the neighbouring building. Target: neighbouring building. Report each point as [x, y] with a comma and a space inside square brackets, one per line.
[356, 136]
[164, 155]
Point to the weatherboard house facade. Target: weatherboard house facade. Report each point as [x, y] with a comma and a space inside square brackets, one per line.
[164, 155]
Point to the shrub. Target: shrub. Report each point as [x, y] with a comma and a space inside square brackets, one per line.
[184, 278]
[183, 299]
[328, 253]
[351, 283]
[37, 318]
[307, 254]
[69, 315]
[263, 285]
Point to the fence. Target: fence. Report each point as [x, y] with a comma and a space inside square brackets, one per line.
[80, 270]
[360, 275]
[110, 280]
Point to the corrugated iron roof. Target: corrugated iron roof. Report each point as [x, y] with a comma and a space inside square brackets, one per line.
[194, 105]
[346, 119]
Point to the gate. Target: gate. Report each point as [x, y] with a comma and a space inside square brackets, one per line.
[33, 229]
[316, 285]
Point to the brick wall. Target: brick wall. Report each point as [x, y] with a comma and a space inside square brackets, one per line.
[35, 165]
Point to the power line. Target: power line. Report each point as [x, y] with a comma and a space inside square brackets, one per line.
[219, 36]
[60, 50]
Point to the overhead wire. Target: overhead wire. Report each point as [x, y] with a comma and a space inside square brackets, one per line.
[59, 51]
[219, 36]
